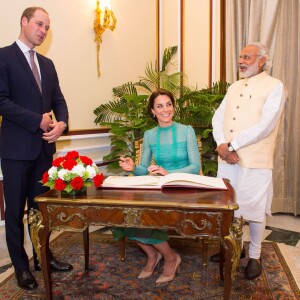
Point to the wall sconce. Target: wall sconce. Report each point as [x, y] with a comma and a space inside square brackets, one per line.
[101, 24]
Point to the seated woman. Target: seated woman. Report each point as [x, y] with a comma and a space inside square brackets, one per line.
[174, 149]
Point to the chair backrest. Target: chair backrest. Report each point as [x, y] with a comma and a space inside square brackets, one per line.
[139, 152]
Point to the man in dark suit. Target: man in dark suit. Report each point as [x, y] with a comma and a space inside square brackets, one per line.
[29, 94]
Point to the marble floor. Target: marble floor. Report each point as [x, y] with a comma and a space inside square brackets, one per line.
[283, 229]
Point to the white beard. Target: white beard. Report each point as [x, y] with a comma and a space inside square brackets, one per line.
[250, 71]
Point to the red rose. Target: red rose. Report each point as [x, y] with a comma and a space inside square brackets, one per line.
[59, 184]
[72, 155]
[45, 177]
[98, 180]
[57, 162]
[69, 164]
[86, 160]
[77, 183]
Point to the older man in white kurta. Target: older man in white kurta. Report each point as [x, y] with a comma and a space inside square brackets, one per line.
[245, 128]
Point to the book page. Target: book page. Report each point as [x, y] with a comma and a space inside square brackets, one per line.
[185, 179]
[127, 181]
[172, 180]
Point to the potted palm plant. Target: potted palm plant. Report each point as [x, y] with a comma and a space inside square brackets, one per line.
[127, 117]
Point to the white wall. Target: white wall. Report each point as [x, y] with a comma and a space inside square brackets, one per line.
[196, 41]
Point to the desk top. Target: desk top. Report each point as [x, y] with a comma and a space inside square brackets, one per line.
[189, 198]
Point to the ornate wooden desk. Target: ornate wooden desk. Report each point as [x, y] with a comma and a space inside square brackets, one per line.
[191, 212]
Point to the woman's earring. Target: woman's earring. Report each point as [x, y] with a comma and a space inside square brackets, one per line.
[153, 115]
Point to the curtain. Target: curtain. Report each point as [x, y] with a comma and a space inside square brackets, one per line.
[274, 23]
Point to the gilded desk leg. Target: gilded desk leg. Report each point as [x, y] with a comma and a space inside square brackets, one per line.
[35, 221]
[233, 248]
[235, 238]
[40, 239]
[86, 243]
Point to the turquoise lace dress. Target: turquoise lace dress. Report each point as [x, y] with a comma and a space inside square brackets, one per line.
[175, 149]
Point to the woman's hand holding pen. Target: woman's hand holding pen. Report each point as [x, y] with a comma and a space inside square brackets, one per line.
[157, 170]
[127, 164]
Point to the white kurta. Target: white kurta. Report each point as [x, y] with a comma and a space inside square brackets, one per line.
[253, 186]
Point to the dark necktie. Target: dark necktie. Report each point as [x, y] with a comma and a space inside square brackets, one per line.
[35, 70]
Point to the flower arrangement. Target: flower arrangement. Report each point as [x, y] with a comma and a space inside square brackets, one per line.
[72, 172]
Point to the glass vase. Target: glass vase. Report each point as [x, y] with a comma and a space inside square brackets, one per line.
[74, 193]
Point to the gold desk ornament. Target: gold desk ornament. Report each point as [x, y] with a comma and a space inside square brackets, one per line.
[235, 238]
[35, 221]
[132, 216]
[101, 24]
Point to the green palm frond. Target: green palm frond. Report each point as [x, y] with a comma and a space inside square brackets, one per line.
[218, 88]
[171, 82]
[145, 86]
[167, 56]
[151, 78]
[125, 89]
[111, 111]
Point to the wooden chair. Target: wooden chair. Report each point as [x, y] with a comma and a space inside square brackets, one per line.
[173, 234]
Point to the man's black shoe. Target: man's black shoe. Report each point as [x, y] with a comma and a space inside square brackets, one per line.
[57, 266]
[253, 269]
[26, 280]
[216, 257]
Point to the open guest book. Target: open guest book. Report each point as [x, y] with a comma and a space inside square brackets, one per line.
[183, 180]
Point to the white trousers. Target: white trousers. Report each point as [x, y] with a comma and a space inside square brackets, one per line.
[257, 230]
[254, 191]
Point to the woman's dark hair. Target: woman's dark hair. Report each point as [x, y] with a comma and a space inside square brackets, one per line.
[152, 98]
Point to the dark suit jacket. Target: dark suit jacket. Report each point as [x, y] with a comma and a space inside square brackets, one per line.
[22, 105]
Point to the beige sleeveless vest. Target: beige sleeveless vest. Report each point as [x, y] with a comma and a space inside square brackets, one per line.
[245, 100]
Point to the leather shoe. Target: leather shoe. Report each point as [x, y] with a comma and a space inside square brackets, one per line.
[57, 266]
[216, 257]
[26, 280]
[253, 268]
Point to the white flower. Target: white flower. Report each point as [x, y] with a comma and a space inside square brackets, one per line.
[52, 172]
[78, 169]
[62, 173]
[92, 172]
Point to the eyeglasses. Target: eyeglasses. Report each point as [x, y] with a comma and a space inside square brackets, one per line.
[247, 56]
